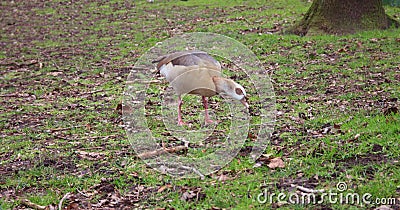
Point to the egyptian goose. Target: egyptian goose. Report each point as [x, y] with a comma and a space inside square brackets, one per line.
[196, 72]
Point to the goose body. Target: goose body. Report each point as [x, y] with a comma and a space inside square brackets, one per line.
[196, 72]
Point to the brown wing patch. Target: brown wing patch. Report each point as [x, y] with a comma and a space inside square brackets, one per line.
[239, 91]
[186, 58]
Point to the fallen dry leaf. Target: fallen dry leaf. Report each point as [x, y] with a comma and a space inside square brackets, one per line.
[223, 178]
[258, 164]
[188, 195]
[162, 188]
[90, 155]
[55, 73]
[276, 163]
[195, 194]
[383, 207]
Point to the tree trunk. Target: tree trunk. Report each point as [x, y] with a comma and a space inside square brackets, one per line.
[343, 17]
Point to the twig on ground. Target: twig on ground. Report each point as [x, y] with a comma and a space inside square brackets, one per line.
[64, 129]
[85, 138]
[82, 193]
[33, 62]
[307, 190]
[90, 92]
[11, 95]
[30, 204]
[194, 170]
[65, 138]
[62, 200]
[147, 155]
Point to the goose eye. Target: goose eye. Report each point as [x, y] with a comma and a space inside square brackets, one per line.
[238, 91]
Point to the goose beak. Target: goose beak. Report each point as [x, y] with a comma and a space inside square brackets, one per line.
[244, 102]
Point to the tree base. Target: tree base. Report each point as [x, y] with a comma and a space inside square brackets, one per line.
[339, 18]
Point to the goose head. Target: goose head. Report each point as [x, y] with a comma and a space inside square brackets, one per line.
[231, 88]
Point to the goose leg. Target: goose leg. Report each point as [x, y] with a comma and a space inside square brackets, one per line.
[206, 116]
[180, 102]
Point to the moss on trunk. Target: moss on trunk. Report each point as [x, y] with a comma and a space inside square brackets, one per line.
[343, 17]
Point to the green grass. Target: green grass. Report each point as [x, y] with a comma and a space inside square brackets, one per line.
[332, 95]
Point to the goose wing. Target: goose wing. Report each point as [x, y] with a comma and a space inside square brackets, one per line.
[190, 72]
[188, 58]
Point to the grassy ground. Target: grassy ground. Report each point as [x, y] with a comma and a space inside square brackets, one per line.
[63, 66]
